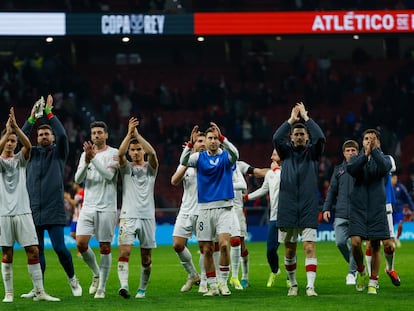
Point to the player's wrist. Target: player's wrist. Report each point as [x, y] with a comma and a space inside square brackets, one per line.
[31, 120]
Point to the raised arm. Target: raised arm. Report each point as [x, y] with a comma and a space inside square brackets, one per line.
[178, 176]
[123, 148]
[233, 152]
[61, 138]
[185, 155]
[28, 125]
[149, 150]
[26, 145]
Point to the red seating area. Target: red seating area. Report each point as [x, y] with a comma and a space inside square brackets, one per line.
[148, 78]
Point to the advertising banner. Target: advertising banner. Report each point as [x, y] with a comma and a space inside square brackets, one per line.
[229, 23]
[278, 23]
[255, 234]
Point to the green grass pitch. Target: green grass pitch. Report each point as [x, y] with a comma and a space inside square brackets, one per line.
[163, 292]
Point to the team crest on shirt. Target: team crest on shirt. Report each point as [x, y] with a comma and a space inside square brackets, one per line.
[215, 162]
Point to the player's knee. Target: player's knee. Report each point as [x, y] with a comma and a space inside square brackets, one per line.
[82, 247]
[146, 262]
[224, 248]
[178, 247]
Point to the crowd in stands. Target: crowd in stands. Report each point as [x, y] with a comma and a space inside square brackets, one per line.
[346, 98]
[248, 100]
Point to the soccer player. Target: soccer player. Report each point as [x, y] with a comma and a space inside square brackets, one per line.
[76, 203]
[45, 176]
[368, 217]
[98, 170]
[185, 223]
[137, 218]
[215, 201]
[298, 207]
[337, 199]
[389, 244]
[402, 198]
[239, 228]
[271, 186]
[16, 221]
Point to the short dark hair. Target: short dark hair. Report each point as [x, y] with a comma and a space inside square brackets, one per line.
[372, 131]
[298, 125]
[210, 130]
[133, 140]
[350, 144]
[99, 124]
[45, 127]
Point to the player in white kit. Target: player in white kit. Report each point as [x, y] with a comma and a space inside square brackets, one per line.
[185, 224]
[16, 221]
[270, 186]
[137, 219]
[98, 170]
[239, 227]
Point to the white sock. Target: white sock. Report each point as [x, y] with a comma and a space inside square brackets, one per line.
[202, 269]
[90, 259]
[235, 260]
[310, 266]
[104, 269]
[389, 260]
[7, 273]
[224, 272]
[216, 258]
[245, 267]
[36, 275]
[368, 265]
[290, 265]
[123, 271]
[187, 262]
[145, 276]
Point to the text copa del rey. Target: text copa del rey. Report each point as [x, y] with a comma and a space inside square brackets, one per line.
[132, 24]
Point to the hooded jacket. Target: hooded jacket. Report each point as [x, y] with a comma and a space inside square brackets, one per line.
[298, 195]
[368, 217]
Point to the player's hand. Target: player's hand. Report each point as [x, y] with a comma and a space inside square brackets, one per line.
[216, 129]
[326, 216]
[294, 115]
[194, 134]
[12, 118]
[89, 150]
[49, 103]
[302, 111]
[132, 124]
